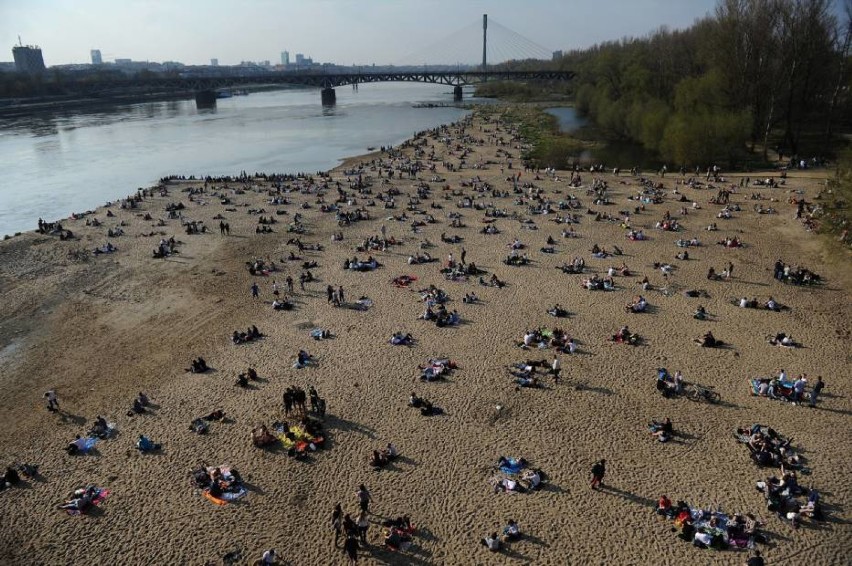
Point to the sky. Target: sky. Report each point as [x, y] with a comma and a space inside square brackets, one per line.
[346, 32]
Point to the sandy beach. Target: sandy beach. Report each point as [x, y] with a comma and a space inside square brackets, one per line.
[98, 329]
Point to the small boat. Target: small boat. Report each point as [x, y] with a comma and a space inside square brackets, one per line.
[224, 94]
[371, 148]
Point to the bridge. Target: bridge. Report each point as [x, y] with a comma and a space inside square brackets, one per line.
[206, 87]
[453, 47]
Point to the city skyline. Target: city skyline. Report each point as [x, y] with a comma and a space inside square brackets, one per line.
[344, 32]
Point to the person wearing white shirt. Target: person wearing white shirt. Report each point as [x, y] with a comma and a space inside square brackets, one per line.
[492, 542]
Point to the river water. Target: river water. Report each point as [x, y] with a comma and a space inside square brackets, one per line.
[612, 153]
[58, 163]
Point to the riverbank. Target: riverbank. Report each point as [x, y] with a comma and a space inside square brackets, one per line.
[100, 328]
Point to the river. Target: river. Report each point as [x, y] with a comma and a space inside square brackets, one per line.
[612, 153]
[57, 163]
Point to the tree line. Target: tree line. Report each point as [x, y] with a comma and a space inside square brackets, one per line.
[756, 75]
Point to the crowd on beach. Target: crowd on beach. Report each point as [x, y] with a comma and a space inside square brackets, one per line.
[351, 197]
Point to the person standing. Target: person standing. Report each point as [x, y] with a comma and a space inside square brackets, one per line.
[52, 401]
[337, 522]
[289, 282]
[363, 526]
[329, 291]
[255, 290]
[364, 498]
[598, 471]
[817, 388]
[463, 256]
[350, 550]
[555, 369]
[730, 270]
[340, 295]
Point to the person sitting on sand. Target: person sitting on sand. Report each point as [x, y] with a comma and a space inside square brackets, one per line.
[511, 532]
[261, 436]
[557, 311]
[390, 452]
[145, 444]
[661, 431]
[532, 478]
[700, 313]
[624, 336]
[302, 359]
[400, 339]
[709, 341]
[198, 366]
[100, 428]
[378, 460]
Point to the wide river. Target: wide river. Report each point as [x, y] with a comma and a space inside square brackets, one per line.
[58, 163]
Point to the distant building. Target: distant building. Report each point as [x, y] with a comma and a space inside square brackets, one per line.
[7, 67]
[96, 57]
[557, 55]
[28, 59]
[123, 61]
[214, 62]
[300, 59]
[285, 58]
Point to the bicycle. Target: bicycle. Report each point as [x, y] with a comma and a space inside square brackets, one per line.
[697, 392]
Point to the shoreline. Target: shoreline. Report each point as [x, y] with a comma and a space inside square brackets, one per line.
[99, 329]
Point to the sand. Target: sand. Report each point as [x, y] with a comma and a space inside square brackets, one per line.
[101, 329]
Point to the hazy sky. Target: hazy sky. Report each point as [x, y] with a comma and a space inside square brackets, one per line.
[340, 31]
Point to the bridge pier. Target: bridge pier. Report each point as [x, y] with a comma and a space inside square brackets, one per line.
[329, 97]
[205, 98]
[458, 93]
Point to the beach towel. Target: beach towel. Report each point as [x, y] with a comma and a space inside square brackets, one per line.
[512, 466]
[85, 445]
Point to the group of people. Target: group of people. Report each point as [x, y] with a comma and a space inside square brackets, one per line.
[250, 335]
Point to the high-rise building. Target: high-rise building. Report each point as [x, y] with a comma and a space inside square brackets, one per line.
[214, 62]
[557, 55]
[300, 59]
[96, 57]
[285, 58]
[28, 59]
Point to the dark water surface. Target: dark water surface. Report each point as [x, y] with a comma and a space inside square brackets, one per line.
[623, 154]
